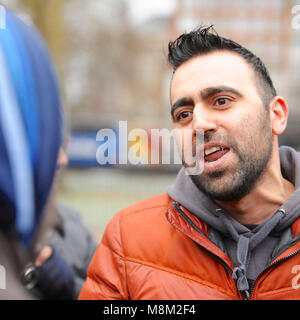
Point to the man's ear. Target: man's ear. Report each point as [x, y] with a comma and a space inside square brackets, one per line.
[279, 114]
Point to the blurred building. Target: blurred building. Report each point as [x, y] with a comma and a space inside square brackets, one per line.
[115, 69]
[122, 68]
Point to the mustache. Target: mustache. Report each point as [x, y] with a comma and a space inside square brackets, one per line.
[220, 138]
[212, 136]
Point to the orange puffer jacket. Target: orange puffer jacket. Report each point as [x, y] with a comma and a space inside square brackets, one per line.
[152, 250]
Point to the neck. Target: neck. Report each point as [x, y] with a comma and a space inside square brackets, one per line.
[269, 193]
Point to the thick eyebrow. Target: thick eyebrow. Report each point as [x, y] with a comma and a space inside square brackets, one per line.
[181, 103]
[210, 91]
[205, 93]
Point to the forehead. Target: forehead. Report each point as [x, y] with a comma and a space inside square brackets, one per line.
[220, 68]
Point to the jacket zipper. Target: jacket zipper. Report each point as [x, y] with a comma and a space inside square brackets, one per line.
[190, 222]
[247, 294]
[250, 292]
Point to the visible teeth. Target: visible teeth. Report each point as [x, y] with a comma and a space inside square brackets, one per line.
[211, 150]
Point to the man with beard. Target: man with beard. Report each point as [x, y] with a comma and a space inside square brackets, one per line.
[230, 231]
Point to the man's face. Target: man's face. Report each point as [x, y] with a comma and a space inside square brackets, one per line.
[216, 93]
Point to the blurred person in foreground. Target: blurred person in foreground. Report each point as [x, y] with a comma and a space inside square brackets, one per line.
[30, 138]
[233, 230]
[60, 268]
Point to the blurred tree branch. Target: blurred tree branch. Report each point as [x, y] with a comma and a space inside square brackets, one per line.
[48, 18]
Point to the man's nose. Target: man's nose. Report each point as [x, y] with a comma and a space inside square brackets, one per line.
[203, 119]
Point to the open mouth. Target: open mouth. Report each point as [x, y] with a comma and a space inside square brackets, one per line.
[214, 153]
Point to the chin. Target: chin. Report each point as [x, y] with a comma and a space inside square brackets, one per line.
[220, 190]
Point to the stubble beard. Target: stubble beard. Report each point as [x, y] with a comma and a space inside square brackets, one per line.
[231, 184]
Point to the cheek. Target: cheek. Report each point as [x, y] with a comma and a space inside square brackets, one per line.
[254, 133]
[183, 137]
[182, 132]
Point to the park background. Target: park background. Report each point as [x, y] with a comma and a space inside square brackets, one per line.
[111, 62]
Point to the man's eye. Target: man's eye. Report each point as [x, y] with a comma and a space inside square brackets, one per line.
[221, 102]
[183, 115]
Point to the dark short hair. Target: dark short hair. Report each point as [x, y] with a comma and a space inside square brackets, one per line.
[206, 40]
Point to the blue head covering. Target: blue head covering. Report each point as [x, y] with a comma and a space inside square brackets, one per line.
[30, 126]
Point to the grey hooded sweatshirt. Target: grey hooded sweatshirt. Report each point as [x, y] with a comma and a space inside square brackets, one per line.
[250, 247]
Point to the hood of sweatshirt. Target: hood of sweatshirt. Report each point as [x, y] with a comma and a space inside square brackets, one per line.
[188, 195]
